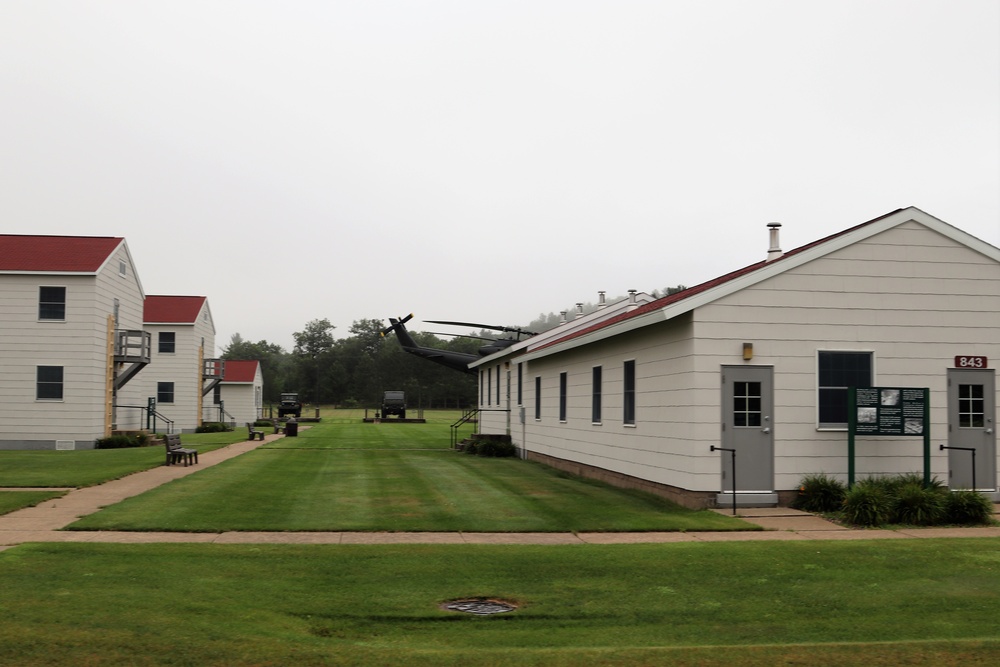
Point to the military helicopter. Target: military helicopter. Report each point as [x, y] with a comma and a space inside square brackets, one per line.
[458, 361]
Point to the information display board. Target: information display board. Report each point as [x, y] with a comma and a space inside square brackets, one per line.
[890, 411]
[894, 411]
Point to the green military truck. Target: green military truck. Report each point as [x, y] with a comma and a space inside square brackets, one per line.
[394, 403]
[290, 406]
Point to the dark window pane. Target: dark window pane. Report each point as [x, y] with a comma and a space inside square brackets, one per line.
[833, 406]
[164, 392]
[52, 303]
[595, 411]
[49, 383]
[167, 342]
[629, 395]
[838, 371]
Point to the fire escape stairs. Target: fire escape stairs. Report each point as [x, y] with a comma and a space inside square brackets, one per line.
[213, 372]
[131, 347]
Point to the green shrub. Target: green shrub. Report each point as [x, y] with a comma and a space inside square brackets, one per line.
[820, 493]
[497, 448]
[213, 427]
[867, 504]
[911, 503]
[119, 442]
[968, 508]
[490, 445]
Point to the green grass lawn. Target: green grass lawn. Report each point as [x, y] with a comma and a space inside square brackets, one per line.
[348, 475]
[394, 490]
[359, 435]
[88, 467]
[15, 500]
[919, 602]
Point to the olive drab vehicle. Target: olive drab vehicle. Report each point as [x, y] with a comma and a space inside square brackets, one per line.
[290, 406]
[394, 403]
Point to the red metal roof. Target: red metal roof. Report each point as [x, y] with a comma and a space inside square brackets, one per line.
[240, 371]
[50, 254]
[698, 289]
[172, 309]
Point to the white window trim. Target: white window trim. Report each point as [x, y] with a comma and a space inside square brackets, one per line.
[837, 429]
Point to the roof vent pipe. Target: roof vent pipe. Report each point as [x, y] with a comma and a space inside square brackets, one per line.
[562, 317]
[774, 252]
[601, 303]
[632, 305]
[579, 311]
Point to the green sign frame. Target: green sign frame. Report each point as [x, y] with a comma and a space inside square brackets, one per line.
[888, 411]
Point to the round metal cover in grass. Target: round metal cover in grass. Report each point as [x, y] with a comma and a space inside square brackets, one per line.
[479, 606]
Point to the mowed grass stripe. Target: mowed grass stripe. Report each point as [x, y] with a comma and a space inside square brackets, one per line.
[392, 490]
[288, 604]
[360, 435]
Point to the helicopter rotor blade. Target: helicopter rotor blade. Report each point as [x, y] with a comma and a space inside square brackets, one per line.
[495, 327]
[442, 333]
[394, 323]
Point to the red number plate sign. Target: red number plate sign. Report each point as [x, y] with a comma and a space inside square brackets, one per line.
[971, 362]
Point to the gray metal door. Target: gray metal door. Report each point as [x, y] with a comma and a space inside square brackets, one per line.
[748, 428]
[971, 426]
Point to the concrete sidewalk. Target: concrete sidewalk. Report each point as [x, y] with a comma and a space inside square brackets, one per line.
[43, 523]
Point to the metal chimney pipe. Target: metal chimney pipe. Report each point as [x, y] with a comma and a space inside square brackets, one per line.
[774, 251]
[600, 299]
[579, 311]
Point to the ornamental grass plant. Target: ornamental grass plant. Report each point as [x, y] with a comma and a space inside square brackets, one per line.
[820, 493]
[893, 500]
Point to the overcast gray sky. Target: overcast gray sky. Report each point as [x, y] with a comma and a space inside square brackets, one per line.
[483, 160]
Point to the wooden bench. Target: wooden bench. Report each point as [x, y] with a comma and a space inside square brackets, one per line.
[176, 453]
[254, 433]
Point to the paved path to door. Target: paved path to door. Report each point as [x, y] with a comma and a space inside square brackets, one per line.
[44, 522]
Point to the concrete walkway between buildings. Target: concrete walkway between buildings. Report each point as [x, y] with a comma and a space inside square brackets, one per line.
[44, 522]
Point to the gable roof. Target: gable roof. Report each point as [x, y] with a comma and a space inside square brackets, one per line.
[56, 254]
[673, 305]
[240, 371]
[159, 309]
[606, 312]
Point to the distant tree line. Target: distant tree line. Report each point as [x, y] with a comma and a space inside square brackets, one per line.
[355, 370]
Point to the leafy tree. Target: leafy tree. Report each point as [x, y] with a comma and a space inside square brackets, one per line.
[312, 354]
[274, 362]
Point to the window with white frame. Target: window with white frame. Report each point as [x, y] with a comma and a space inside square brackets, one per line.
[51, 303]
[628, 394]
[562, 396]
[538, 397]
[164, 392]
[838, 371]
[595, 395]
[49, 383]
[167, 342]
[520, 383]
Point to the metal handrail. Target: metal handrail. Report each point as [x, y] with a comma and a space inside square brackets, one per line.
[146, 414]
[464, 419]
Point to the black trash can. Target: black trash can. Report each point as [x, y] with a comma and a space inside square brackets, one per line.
[291, 428]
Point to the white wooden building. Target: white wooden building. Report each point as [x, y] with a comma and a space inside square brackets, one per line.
[70, 338]
[183, 367]
[760, 360]
[240, 395]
